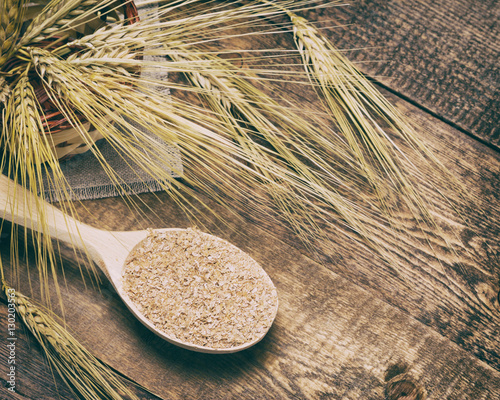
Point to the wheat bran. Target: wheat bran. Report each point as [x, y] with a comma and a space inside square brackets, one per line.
[200, 289]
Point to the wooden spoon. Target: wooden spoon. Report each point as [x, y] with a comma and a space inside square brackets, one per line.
[109, 250]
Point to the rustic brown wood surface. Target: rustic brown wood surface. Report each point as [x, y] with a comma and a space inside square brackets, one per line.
[349, 327]
[442, 55]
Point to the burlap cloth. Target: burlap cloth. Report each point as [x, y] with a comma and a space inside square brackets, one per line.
[86, 177]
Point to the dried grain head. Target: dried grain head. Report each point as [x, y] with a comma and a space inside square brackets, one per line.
[85, 375]
[4, 91]
[11, 17]
[56, 17]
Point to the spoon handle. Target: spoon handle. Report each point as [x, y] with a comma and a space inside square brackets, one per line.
[22, 207]
[107, 249]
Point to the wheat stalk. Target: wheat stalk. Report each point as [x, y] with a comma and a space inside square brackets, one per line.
[109, 36]
[340, 82]
[54, 11]
[24, 118]
[354, 102]
[78, 15]
[85, 375]
[357, 106]
[105, 58]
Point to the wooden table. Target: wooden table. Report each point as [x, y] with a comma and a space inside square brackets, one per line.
[348, 328]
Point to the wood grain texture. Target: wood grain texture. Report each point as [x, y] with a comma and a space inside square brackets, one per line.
[34, 378]
[342, 326]
[449, 292]
[332, 339]
[443, 55]
[349, 327]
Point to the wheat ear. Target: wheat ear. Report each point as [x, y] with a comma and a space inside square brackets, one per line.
[56, 17]
[4, 91]
[85, 375]
[109, 36]
[80, 14]
[26, 149]
[11, 18]
[365, 117]
[115, 55]
[356, 106]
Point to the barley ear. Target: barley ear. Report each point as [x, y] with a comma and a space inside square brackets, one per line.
[54, 16]
[4, 92]
[11, 18]
[85, 375]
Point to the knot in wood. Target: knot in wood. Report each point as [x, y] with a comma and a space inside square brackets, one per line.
[401, 388]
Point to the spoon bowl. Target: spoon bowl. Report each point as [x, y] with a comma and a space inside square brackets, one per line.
[109, 250]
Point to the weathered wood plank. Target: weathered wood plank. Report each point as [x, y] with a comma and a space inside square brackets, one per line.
[32, 376]
[332, 339]
[449, 292]
[455, 295]
[345, 328]
[342, 325]
[443, 55]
